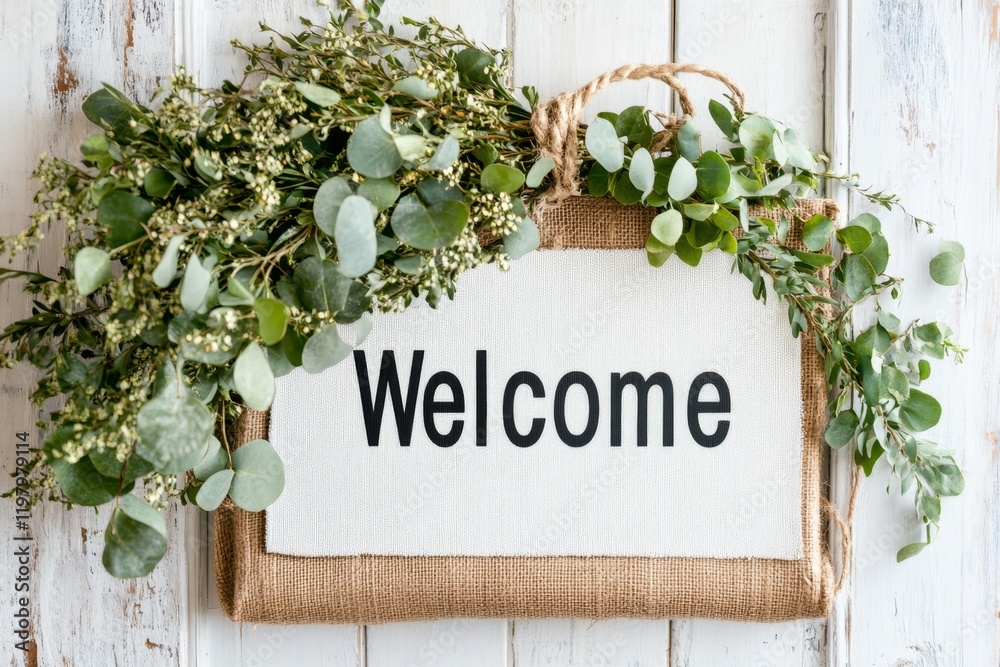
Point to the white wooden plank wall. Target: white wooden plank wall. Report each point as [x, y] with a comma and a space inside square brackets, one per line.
[906, 93]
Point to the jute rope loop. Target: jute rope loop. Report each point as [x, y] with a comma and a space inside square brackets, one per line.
[555, 123]
[844, 524]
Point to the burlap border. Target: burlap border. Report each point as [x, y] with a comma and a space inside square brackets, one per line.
[257, 586]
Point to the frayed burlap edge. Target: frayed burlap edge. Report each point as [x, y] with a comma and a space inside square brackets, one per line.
[257, 586]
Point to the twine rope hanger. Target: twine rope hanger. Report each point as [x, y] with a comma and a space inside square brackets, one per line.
[556, 123]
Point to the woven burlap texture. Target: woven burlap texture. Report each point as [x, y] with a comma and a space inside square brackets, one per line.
[256, 586]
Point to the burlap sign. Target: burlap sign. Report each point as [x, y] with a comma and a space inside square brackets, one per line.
[260, 586]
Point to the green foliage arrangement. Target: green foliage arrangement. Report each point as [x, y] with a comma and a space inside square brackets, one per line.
[222, 238]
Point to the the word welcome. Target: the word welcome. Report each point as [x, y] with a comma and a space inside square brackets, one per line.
[405, 406]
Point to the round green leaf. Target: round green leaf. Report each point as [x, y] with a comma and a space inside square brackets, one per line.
[355, 236]
[259, 476]
[272, 319]
[859, 276]
[538, 172]
[172, 425]
[756, 134]
[166, 269]
[640, 171]
[107, 463]
[327, 204]
[416, 87]
[253, 378]
[713, 175]
[82, 483]
[855, 237]
[473, 64]
[214, 490]
[428, 228]
[522, 240]
[371, 151]
[841, 429]
[135, 539]
[501, 178]
[320, 286]
[667, 227]
[195, 284]
[91, 269]
[411, 147]
[124, 215]
[445, 155]
[689, 140]
[920, 412]
[317, 94]
[381, 192]
[816, 232]
[603, 144]
[158, 182]
[323, 350]
[217, 460]
[946, 268]
[683, 180]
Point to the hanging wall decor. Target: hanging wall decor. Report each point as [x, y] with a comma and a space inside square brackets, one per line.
[316, 292]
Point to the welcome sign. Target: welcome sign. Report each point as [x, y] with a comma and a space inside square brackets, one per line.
[581, 404]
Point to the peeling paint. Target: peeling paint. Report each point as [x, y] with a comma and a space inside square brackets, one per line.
[65, 82]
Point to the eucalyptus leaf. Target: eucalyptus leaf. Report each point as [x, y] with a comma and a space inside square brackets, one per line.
[214, 490]
[355, 236]
[253, 377]
[603, 144]
[640, 171]
[329, 198]
[82, 484]
[816, 232]
[194, 285]
[381, 192]
[317, 94]
[166, 269]
[320, 285]
[667, 227]
[444, 156]
[416, 87]
[171, 425]
[859, 276]
[855, 237]
[259, 476]
[538, 172]
[323, 350]
[689, 140]
[683, 180]
[124, 215]
[91, 270]
[272, 319]
[501, 178]
[713, 175]
[371, 150]
[523, 240]
[841, 429]
[135, 539]
[426, 228]
[920, 412]
[946, 267]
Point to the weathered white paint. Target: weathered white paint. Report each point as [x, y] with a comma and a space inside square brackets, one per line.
[925, 108]
[910, 98]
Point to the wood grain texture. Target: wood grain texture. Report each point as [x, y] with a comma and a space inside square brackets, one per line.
[925, 108]
[776, 52]
[54, 54]
[907, 94]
